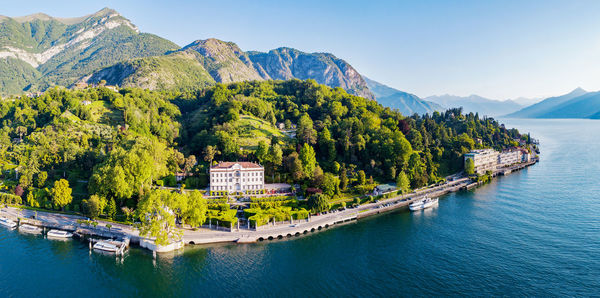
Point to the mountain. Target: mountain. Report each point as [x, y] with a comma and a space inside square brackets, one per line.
[547, 107]
[325, 68]
[406, 103]
[38, 50]
[225, 62]
[476, 104]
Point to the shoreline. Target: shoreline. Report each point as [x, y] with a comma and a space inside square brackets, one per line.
[242, 235]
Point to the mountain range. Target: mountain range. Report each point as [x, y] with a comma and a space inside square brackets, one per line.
[405, 102]
[575, 104]
[476, 104]
[39, 51]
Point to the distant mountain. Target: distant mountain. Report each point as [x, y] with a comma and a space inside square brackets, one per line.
[38, 51]
[550, 107]
[208, 61]
[476, 104]
[406, 103]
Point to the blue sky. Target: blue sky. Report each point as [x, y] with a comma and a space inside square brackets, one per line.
[497, 49]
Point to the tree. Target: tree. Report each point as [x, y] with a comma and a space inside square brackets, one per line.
[362, 177]
[31, 201]
[276, 156]
[305, 131]
[195, 214]
[190, 162]
[156, 212]
[111, 209]
[343, 179]
[296, 169]
[262, 152]
[19, 190]
[127, 211]
[308, 159]
[402, 182]
[318, 177]
[92, 206]
[318, 203]
[469, 166]
[61, 193]
[209, 154]
[41, 179]
[330, 185]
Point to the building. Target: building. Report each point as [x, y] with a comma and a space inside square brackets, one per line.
[509, 157]
[483, 159]
[237, 177]
[525, 156]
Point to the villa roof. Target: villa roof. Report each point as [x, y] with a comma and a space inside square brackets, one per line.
[230, 164]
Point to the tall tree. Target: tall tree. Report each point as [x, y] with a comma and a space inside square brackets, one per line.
[305, 130]
[61, 193]
[308, 159]
[469, 166]
[402, 182]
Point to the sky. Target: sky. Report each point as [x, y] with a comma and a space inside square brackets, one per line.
[496, 49]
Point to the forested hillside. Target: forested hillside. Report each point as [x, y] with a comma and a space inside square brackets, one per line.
[114, 148]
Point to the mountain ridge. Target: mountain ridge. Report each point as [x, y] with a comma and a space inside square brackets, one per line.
[476, 104]
[405, 102]
[547, 105]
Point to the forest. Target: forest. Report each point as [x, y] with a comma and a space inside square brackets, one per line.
[111, 154]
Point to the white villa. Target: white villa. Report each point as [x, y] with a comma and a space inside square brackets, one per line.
[237, 177]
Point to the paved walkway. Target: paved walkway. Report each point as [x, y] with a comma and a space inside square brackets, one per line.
[69, 222]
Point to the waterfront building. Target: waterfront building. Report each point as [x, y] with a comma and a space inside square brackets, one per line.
[483, 159]
[525, 155]
[509, 157]
[237, 178]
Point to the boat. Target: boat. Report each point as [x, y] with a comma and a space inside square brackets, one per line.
[423, 204]
[106, 246]
[59, 234]
[7, 223]
[30, 229]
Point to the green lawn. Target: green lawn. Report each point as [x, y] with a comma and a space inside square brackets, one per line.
[253, 130]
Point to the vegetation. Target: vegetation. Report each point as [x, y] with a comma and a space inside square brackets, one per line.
[109, 154]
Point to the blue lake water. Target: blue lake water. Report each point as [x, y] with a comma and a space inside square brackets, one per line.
[532, 233]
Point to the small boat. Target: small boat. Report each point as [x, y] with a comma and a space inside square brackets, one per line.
[7, 223]
[422, 204]
[59, 234]
[30, 229]
[106, 246]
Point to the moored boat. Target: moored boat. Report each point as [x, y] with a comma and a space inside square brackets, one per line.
[422, 204]
[7, 223]
[30, 229]
[106, 246]
[59, 234]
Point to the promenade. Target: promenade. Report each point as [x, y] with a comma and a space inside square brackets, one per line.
[241, 235]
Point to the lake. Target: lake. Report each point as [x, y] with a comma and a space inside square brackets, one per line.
[532, 233]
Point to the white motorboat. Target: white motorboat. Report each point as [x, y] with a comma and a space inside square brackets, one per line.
[59, 234]
[30, 229]
[106, 246]
[7, 223]
[422, 204]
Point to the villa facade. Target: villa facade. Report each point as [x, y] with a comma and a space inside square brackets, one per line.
[237, 178]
